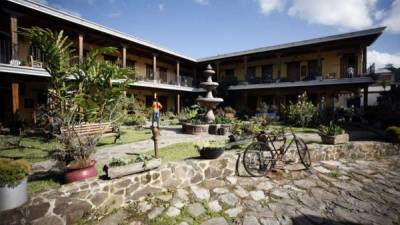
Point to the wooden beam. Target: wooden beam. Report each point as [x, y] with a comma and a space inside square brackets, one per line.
[14, 37]
[365, 97]
[178, 73]
[80, 45]
[15, 97]
[124, 57]
[178, 103]
[155, 75]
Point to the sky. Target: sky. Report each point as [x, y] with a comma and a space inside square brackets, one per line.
[202, 28]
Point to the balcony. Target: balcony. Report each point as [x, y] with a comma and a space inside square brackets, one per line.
[186, 83]
[310, 80]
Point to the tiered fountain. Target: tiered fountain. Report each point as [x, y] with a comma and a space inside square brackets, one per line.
[209, 102]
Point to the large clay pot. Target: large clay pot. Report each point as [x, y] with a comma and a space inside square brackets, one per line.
[73, 175]
[211, 153]
[13, 197]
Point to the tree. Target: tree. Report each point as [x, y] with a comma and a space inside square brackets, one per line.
[91, 91]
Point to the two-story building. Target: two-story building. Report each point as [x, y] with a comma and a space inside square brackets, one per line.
[330, 67]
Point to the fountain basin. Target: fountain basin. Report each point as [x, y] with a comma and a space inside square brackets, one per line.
[195, 129]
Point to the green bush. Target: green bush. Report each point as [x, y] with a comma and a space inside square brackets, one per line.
[188, 113]
[301, 114]
[137, 119]
[393, 134]
[223, 120]
[12, 172]
[330, 130]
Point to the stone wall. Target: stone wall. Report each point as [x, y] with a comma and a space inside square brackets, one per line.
[69, 203]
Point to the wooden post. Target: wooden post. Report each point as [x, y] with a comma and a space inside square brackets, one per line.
[217, 71]
[15, 97]
[178, 103]
[364, 59]
[365, 97]
[155, 76]
[124, 57]
[279, 65]
[178, 76]
[156, 134]
[80, 46]
[14, 37]
[245, 67]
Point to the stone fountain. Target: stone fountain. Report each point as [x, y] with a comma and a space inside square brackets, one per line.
[209, 101]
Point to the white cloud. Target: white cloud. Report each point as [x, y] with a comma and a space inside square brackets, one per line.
[201, 2]
[268, 6]
[381, 59]
[161, 7]
[392, 20]
[353, 14]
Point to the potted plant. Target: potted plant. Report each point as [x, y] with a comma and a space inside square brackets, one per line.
[333, 134]
[13, 183]
[210, 149]
[393, 134]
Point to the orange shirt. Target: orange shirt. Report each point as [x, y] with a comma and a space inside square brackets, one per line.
[156, 106]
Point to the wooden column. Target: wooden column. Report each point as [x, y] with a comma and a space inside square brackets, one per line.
[14, 37]
[319, 61]
[217, 71]
[178, 103]
[80, 46]
[279, 65]
[245, 67]
[124, 57]
[364, 59]
[178, 73]
[155, 75]
[365, 97]
[15, 96]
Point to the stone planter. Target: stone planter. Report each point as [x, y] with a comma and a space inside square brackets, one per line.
[334, 140]
[13, 197]
[188, 128]
[120, 171]
[73, 175]
[213, 128]
[211, 153]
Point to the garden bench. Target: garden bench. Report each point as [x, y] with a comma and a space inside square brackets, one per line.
[91, 129]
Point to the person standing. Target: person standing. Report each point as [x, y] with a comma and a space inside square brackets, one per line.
[156, 112]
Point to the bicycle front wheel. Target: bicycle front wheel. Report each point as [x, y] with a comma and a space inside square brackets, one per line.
[304, 153]
[258, 159]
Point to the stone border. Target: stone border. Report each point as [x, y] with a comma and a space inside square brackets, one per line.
[69, 203]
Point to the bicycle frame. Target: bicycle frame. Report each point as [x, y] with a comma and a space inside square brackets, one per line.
[285, 147]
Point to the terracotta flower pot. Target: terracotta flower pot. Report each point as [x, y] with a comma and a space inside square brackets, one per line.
[73, 175]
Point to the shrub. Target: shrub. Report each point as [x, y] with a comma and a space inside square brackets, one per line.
[137, 119]
[188, 113]
[393, 134]
[301, 114]
[223, 120]
[330, 130]
[12, 172]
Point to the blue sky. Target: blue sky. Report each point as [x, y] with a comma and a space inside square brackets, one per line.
[200, 28]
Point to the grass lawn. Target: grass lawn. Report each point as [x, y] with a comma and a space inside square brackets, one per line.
[176, 152]
[34, 149]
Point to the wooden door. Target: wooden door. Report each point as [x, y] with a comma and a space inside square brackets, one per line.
[347, 61]
[293, 71]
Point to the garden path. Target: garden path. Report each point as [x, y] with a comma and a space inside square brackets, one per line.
[168, 136]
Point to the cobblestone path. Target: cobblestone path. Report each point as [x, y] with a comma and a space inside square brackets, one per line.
[331, 192]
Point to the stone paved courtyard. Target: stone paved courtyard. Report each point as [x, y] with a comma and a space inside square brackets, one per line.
[331, 192]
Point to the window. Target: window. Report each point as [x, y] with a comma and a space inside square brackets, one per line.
[251, 72]
[229, 75]
[314, 68]
[149, 72]
[36, 54]
[267, 73]
[110, 58]
[130, 64]
[163, 74]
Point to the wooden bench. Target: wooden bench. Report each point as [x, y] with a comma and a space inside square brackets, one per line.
[91, 129]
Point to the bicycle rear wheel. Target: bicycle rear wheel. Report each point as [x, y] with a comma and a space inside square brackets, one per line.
[304, 153]
[258, 159]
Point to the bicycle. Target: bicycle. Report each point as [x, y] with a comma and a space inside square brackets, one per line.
[262, 154]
